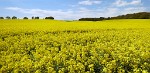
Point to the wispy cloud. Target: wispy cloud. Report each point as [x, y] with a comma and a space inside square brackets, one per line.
[72, 9]
[69, 14]
[121, 3]
[89, 2]
[59, 14]
[133, 10]
[78, 13]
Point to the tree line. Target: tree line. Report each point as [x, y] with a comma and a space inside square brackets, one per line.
[92, 19]
[14, 17]
[140, 15]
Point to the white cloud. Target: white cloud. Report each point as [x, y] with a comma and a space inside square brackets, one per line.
[121, 3]
[133, 10]
[112, 11]
[59, 14]
[13, 8]
[81, 12]
[136, 2]
[89, 2]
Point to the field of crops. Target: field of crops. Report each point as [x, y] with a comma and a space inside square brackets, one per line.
[50, 46]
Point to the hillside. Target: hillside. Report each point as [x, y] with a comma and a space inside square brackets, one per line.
[140, 15]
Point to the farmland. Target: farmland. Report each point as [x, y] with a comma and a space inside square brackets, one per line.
[52, 46]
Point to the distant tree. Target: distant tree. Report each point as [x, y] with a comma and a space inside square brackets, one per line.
[140, 15]
[92, 19]
[7, 17]
[49, 17]
[101, 18]
[32, 17]
[37, 18]
[1, 17]
[144, 15]
[14, 17]
[25, 18]
[108, 18]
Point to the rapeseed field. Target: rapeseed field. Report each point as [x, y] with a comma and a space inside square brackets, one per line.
[52, 46]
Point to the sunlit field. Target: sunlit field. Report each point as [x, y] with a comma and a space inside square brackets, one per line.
[52, 46]
[53, 25]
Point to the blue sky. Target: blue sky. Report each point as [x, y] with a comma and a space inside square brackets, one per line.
[71, 9]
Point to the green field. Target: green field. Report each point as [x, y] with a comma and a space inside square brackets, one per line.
[52, 46]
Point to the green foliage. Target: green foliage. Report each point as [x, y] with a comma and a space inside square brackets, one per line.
[14, 17]
[49, 17]
[25, 18]
[1, 17]
[37, 18]
[33, 17]
[92, 19]
[140, 15]
[7, 17]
